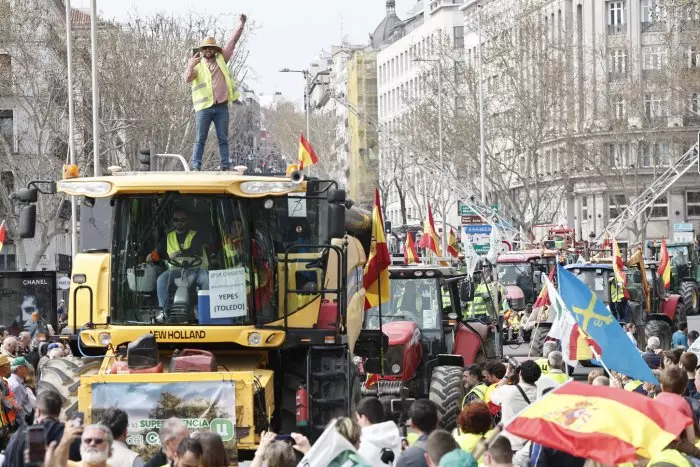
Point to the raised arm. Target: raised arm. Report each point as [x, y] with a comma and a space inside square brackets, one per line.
[229, 47]
[190, 71]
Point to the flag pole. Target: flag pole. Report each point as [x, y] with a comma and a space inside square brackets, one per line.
[597, 357]
[381, 333]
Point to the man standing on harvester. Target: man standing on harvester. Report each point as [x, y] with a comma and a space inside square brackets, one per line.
[213, 88]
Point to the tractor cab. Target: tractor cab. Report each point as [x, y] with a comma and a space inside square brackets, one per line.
[426, 344]
[521, 275]
[685, 272]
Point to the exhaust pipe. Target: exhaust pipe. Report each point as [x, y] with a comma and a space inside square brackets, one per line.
[297, 177]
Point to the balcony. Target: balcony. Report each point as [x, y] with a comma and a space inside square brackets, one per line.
[617, 29]
[653, 26]
[616, 77]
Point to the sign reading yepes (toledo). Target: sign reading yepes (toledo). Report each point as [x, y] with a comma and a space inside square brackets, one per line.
[227, 293]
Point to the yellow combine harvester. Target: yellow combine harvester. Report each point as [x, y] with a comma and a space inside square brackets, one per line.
[231, 301]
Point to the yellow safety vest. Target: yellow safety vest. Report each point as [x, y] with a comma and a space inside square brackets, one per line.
[202, 89]
[234, 259]
[479, 307]
[616, 292]
[670, 457]
[480, 391]
[489, 391]
[560, 378]
[411, 438]
[633, 385]
[543, 363]
[172, 245]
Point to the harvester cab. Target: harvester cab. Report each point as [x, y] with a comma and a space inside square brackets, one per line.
[416, 346]
[231, 301]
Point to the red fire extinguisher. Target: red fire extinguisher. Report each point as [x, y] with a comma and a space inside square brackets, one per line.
[302, 404]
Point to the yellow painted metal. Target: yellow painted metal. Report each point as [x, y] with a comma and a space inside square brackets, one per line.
[95, 267]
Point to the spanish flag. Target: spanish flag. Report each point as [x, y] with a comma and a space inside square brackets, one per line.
[377, 267]
[605, 424]
[410, 255]
[452, 248]
[619, 268]
[665, 265]
[307, 155]
[430, 239]
[3, 234]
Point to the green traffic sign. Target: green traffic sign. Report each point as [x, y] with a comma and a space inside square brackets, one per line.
[465, 210]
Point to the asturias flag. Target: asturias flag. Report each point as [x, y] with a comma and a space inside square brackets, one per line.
[608, 425]
[595, 319]
[409, 250]
[665, 265]
[452, 248]
[376, 269]
[3, 234]
[430, 239]
[307, 155]
[619, 268]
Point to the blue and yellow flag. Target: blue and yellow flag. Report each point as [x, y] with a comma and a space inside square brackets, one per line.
[595, 319]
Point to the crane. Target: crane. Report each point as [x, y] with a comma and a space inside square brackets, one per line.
[658, 187]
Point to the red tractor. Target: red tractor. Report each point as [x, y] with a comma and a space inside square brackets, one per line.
[424, 344]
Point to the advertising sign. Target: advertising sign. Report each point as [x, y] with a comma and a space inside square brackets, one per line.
[227, 293]
[26, 292]
[202, 405]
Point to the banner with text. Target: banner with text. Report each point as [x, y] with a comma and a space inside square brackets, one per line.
[202, 405]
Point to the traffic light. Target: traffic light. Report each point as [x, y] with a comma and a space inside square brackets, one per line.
[145, 160]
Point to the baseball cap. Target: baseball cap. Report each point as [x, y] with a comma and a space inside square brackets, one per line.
[18, 362]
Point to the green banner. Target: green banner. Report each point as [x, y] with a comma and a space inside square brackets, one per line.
[202, 405]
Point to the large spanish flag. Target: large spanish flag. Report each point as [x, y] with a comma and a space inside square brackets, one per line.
[376, 269]
[608, 425]
[410, 255]
[307, 155]
[452, 247]
[3, 234]
[430, 239]
[619, 268]
[665, 265]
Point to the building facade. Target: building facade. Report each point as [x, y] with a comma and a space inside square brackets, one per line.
[628, 112]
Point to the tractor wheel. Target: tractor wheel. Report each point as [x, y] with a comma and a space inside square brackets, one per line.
[539, 334]
[689, 294]
[660, 329]
[62, 376]
[679, 316]
[447, 391]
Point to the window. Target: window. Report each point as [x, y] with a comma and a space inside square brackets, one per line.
[655, 57]
[652, 11]
[617, 23]
[618, 203]
[618, 61]
[619, 108]
[584, 208]
[692, 203]
[660, 207]
[458, 36]
[692, 55]
[7, 127]
[655, 106]
[5, 74]
[694, 108]
[617, 154]
[654, 154]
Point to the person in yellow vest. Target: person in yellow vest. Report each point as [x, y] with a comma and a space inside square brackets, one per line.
[474, 385]
[543, 362]
[555, 376]
[618, 303]
[178, 243]
[213, 88]
[473, 424]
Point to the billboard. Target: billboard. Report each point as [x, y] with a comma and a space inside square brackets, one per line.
[23, 293]
[202, 405]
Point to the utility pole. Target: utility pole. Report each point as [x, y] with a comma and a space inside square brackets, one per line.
[481, 113]
[71, 128]
[95, 93]
[442, 158]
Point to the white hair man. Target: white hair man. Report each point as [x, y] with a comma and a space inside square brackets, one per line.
[95, 447]
[25, 340]
[555, 376]
[653, 356]
[543, 362]
[9, 347]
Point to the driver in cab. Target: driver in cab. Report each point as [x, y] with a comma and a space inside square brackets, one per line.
[181, 243]
[411, 302]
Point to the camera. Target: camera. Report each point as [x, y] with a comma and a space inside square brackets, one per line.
[513, 363]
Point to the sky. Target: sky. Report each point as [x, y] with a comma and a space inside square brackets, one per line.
[290, 33]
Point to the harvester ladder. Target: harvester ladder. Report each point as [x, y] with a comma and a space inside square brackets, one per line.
[658, 187]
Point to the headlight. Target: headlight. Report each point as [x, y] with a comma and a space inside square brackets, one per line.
[395, 368]
[254, 338]
[79, 188]
[256, 188]
[104, 338]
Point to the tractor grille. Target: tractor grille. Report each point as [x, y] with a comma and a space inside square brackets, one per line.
[394, 356]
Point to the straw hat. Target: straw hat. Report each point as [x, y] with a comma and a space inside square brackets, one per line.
[209, 42]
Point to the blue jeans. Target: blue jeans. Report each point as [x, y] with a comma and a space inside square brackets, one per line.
[218, 114]
[165, 280]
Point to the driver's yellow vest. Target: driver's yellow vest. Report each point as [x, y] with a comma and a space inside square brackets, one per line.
[479, 391]
[479, 307]
[616, 292]
[234, 258]
[202, 89]
[172, 245]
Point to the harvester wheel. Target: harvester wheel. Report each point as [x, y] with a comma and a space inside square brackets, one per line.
[660, 329]
[689, 294]
[447, 391]
[62, 376]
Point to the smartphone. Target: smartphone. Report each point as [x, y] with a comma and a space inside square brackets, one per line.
[78, 419]
[195, 51]
[36, 444]
[287, 438]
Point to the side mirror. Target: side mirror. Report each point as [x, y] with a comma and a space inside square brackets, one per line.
[27, 195]
[27, 221]
[466, 291]
[336, 220]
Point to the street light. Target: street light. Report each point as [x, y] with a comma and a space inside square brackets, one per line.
[307, 103]
[442, 161]
[481, 114]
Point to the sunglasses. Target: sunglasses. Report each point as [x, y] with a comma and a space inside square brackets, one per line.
[208, 48]
[95, 441]
[179, 219]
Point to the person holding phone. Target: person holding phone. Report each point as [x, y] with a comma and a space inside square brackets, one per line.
[213, 88]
